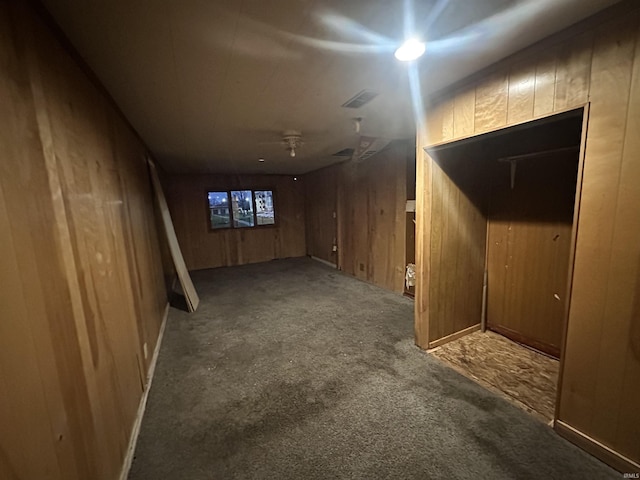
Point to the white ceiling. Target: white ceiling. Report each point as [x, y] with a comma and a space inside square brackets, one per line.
[211, 84]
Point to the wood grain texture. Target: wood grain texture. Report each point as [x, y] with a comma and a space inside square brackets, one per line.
[440, 121]
[626, 236]
[522, 80]
[573, 72]
[422, 322]
[594, 363]
[523, 376]
[321, 195]
[82, 286]
[529, 238]
[464, 106]
[595, 61]
[545, 83]
[372, 217]
[492, 100]
[203, 248]
[458, 235]
[188, 289]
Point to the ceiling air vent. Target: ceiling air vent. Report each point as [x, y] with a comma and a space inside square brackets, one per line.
[365, 96]
[345, 152]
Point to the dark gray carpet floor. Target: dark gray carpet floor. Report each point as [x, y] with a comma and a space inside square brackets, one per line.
[291, 370]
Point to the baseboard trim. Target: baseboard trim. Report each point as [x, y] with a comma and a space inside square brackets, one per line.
[133, 439]
[597, 449]
[332, 265]
[453, 336]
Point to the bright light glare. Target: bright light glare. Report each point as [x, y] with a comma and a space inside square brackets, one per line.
[410, 50]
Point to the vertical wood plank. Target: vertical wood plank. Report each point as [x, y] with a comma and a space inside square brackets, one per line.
[626, 245]
[545, 83]
[436, 233]
[492, 98]
[423, 241]
[464, 104]
[620, 342]
[574, 72]
[521, 93]
[440, 122]
[589, 352]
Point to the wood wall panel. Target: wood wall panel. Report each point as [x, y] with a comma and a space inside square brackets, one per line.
[370, 201]
[528, 253]
[627, 233]
[573, 72]
[203, 248]
[82, 289]
[440, 120]
[545, 83]
[599, 326]
[594, 61]
[321, 192]
[464, 107]
[421, 311]
[492, 100]
[458, 234]
[373, 199]
[522, 81]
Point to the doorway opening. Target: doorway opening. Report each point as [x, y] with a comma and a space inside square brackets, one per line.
[503, 226]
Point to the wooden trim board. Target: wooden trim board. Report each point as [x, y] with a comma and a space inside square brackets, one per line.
[332, 265]
[525, 341]
[454, 336]
[506, 129]
[188, 289]
[133, 439]
[572, 251]
[595, 448]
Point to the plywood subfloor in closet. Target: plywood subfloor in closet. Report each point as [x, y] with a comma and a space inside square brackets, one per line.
[526, 377]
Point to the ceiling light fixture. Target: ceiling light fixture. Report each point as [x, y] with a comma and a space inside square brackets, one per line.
[261, 159]
[292, 139]
[410, 50]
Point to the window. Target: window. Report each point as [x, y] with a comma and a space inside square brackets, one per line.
[219, 210]
[242, 206]
[241, 209]
[264, 207]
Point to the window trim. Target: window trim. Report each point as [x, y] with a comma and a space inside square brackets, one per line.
[275, 223]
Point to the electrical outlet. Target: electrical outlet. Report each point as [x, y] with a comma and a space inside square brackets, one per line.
[334, 248]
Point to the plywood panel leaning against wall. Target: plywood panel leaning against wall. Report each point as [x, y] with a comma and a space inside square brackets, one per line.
[82, 291]
[206, 248]
[595, 61]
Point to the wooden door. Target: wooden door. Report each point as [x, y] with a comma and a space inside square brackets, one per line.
[529, 235]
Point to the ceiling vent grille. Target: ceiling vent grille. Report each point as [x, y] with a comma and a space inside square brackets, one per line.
[365, 96]
[346, 152]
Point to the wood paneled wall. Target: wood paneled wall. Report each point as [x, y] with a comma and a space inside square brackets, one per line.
[321, 209]
[202, 248]
[81, 279]
[597, 61]
[457, 253]
[371, 224]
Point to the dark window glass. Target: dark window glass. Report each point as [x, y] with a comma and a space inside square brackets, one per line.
[242, 208]
[219, 210]
[265, 213]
